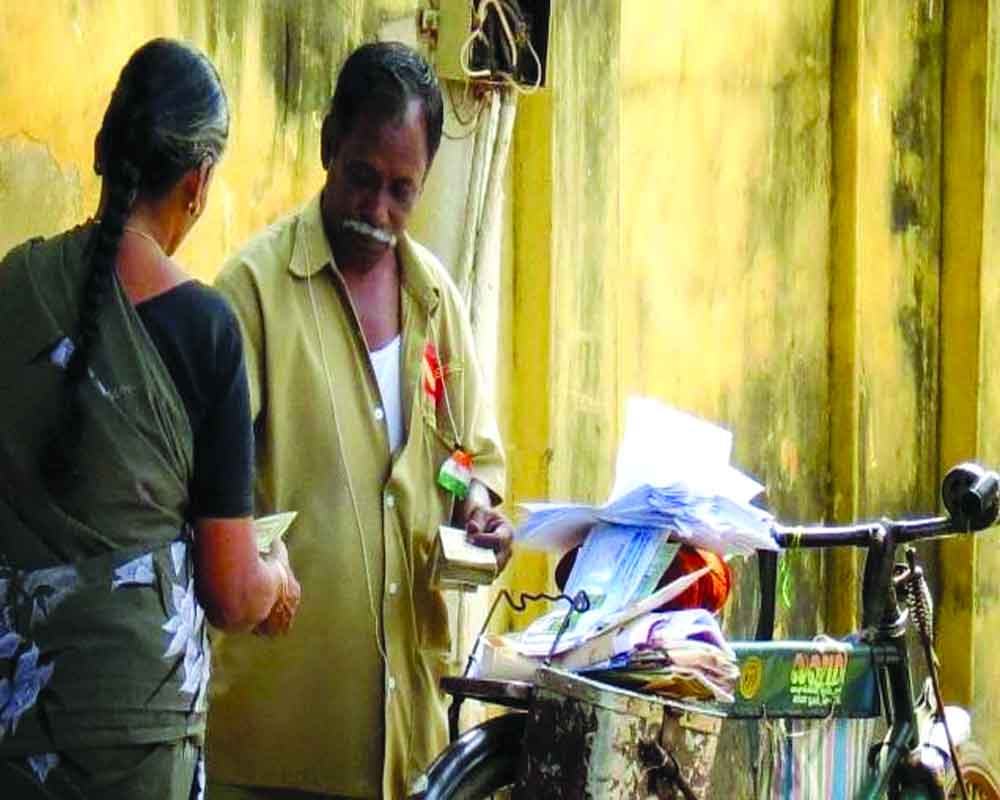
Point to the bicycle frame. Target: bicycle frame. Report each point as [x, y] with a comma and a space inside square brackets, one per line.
[865, 679]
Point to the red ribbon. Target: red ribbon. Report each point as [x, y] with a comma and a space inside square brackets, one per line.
[433, 377]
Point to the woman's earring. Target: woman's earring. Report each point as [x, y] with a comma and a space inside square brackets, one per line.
[191, 208]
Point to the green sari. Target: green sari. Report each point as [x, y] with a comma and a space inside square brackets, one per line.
[104, 657]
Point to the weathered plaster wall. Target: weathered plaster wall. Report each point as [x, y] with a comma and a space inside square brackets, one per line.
[725, 238]
[586, 255]
[278, 60]
[768, 214]
[986, 583]
[897, 230]
[884, 270]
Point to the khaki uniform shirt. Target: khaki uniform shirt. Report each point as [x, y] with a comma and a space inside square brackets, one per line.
[321, 709]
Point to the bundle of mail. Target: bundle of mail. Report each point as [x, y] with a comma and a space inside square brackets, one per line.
[673, 485]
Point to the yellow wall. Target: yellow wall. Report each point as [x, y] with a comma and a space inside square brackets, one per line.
[60, 60]
[724, 227]
[772, 214]
[986, 577]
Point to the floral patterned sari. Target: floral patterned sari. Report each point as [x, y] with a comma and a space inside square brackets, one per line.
[104, 658]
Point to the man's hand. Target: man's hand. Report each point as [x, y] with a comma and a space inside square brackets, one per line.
[489, 528]
[485, 526]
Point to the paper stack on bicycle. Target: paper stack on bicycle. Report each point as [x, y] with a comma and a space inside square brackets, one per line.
[673, 485]
[672, 473]
[679, 654]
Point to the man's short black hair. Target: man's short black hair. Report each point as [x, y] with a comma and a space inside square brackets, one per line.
[382, 78]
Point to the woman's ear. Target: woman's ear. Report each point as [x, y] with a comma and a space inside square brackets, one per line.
[196, 183]
[205, 173]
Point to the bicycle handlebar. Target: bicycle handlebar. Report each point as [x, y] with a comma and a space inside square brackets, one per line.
[971, 496]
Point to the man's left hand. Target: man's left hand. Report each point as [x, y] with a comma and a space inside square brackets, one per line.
[486, 527]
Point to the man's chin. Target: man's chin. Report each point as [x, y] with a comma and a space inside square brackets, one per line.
[360, 253]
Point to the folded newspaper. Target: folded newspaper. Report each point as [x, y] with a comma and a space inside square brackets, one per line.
[680, 654]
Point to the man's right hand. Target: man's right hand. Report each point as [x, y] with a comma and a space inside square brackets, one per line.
[279, 620]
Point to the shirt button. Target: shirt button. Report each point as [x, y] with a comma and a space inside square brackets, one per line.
[393, 588]
[390, 501]
[391, 683]
[379, 413]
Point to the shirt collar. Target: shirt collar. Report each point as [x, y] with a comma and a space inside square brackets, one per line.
[311, 250]
[311, 254]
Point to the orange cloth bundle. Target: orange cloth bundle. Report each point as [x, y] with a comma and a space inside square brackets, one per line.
[710, 592]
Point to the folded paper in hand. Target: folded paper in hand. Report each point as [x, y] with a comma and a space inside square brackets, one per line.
[271, 528]
[456, 563]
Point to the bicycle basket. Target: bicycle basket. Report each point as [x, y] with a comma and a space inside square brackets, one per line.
[589, 740]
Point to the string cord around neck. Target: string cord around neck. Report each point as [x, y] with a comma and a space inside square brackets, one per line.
[347, 476]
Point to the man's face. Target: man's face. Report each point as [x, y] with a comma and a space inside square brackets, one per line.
[374, 177]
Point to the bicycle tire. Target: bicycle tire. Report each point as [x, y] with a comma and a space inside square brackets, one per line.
[481, 762]
[981, 779]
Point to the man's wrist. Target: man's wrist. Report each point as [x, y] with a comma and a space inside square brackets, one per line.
[479, 496]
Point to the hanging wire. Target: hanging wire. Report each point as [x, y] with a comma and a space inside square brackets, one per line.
[470, 124]
[578, 603]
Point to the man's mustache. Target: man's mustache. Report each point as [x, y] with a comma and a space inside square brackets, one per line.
[357, 226]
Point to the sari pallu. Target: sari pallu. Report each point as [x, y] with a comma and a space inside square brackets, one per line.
[102, 642]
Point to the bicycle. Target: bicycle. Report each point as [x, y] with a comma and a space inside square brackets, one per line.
[866, 676]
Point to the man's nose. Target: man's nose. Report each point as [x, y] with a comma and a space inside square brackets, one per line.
[376, 209]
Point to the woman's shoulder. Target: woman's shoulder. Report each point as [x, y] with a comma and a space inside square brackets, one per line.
[39, 251]
[197, 314]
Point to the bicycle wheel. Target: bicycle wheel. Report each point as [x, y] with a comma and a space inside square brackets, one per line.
[981, 780]
[480, 764]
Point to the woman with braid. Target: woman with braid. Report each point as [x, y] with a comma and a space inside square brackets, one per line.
[125, 465]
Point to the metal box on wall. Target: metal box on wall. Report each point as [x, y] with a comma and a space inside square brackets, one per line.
[455, 22]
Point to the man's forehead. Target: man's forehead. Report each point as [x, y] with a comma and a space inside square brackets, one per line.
[375, 137]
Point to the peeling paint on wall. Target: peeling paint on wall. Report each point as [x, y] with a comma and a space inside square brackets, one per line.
[37, 197]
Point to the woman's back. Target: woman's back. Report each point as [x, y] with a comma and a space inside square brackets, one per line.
[119, 535]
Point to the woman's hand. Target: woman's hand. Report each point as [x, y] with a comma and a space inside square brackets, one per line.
[279, 619]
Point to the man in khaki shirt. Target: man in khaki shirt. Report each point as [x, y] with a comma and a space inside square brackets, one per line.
[364, 383]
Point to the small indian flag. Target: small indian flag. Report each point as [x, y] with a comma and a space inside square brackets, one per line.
[455, 474]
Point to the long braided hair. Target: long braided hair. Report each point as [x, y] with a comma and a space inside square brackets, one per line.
[168, 114]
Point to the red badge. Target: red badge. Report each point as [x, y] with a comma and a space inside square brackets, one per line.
[433, 379]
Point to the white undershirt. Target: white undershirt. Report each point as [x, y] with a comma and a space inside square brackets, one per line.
[385, 363]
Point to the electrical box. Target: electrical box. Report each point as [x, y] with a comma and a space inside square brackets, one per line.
[485, 48]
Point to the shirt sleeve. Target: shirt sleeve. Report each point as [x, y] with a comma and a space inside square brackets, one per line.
[237, 285]
[481, 434]
[223, 461]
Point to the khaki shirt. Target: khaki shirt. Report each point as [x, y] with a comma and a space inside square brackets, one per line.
[320, 710]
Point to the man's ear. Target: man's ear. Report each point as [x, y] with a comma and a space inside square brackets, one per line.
[98, 146]
[326, 141]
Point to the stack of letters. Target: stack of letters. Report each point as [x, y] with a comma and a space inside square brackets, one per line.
[673, 486]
